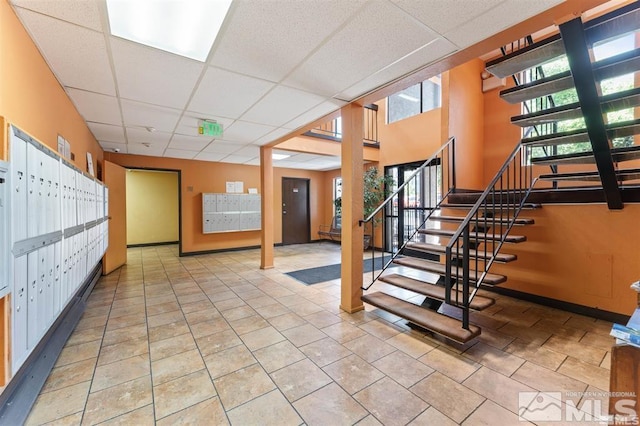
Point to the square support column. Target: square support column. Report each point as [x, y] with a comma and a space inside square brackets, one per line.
[266, 206]
[352, 208]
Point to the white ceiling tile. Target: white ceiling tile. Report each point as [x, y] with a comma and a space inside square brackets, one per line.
[226, 94]
[137, 135]
[271, 136]
[178, 153]
[377, 36]
[189, 143]
[222, 147]
[257, 45]
[153, 76]
[315, 113]
[107, 132]
[80, 12]
[96, 107]
[136, 114]
[281, 105]
[77, 56]
[138, 149]
[111, 146]
[427, 54]
[443, 16]
[249, 151]
[253, 162]
[243, 131]
[237, 159]
[210, 156]
[504, 16]
[188, 124]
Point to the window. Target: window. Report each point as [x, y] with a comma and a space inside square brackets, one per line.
[414, 100]
[337, 192]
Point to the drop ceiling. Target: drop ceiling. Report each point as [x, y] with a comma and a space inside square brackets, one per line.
[275, 66]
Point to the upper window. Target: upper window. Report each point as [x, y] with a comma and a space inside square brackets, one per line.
[414, 100]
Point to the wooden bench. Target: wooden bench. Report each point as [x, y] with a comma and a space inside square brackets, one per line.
[333, 231]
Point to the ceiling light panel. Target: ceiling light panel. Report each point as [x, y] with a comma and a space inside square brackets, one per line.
[355, 53]
[177, 153]
[79, 12]
[226, 94]
[186, 28]
[107, 132]
[256, 45]
[281, 105]
[96, 107]
[242, 131]
[137, 114]
[76, 55]
[152, 76]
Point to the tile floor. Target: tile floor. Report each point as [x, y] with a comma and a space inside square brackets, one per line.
[213, 339]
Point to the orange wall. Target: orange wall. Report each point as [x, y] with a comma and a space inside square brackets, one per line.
[202, 176]
[32, 99]
[466, 124]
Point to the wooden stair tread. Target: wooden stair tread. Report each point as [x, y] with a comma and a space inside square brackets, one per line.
[617, 154]
[621, 175]
[525, 206]
[479, 235]
[438, 268]
[440, 324]
[490, 221]
[433, 291]
[439, 249]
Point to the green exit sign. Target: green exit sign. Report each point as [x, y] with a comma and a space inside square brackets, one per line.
[210, 128]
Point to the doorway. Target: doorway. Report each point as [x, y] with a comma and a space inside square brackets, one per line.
[296, 221]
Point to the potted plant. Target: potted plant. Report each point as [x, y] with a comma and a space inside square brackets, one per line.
[376, 189]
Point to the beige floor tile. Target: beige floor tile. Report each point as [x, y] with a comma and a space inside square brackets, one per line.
[370, 420]
[496, 387]
[329, 405]
[353, 373]
[58, 404]
[183, 392]
[175, 366]
[165, 318]
[537, 354]
[559, 330]
[450, 364]
[585, 372]
[269, 409]
[163, 308]
[140, 417]
[220, 296]
[123, 350]
[343, 332]
[70, 374]
[324, 352]
[411, 343]
[448, 396]
[126, 310]
[85, 336]
[71, 354]
[493, 358]
[128, 369]
[206, 328]
[169, 330]
[381, 329]
[598, 340]
[261, 338]
[491, 414]
[580, 350]
[70, 420]
[546, 380]
[201, 305]
[237, 313]
[112, 402]
[271, 311]
[172, 346]
[495, 338]
[300, 379]
[228, 361]
[278, 355]
[218, 342]
[243, 385]
[126, 321]
[432, 416]
[123, 334]
[303, 334]
[526, 334]
[287, 321]
[203, 315]
[193, 297]
[390, 403]
[306, 308]
[322, 319]
[370, 348]
[209, 412]
[93, 321]
[259, 302]
[402, 368]
[153, 301]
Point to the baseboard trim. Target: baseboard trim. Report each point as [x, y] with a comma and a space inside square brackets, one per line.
[560, 304]
[168, 243]
[21, 392]
[196, 253]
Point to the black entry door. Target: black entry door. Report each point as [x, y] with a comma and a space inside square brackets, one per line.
[295, 211]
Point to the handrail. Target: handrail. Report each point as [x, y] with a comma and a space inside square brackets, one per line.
[431, 189]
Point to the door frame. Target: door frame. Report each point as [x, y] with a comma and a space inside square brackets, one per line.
[307, 182]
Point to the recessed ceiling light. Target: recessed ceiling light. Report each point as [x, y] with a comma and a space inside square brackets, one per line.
[184, 27]
[279, 156]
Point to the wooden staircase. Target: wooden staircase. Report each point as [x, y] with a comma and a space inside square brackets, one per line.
[460, 241]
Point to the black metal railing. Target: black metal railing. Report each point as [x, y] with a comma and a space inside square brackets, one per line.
[423, 191]
[332, 130]
[473, 247]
